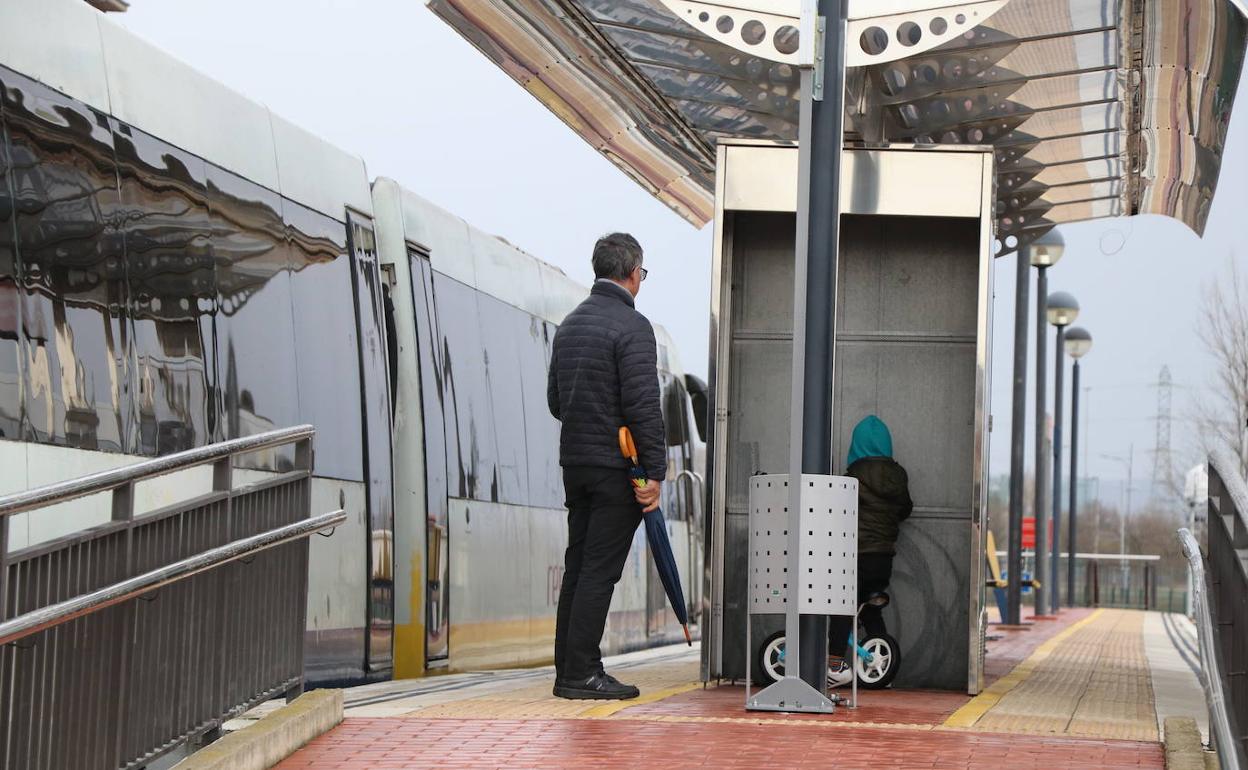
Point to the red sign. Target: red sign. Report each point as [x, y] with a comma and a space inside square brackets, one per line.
[1029, 531]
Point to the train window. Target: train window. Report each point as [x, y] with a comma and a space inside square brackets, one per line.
[325, 338]
[674, 415]
[471, 453]
[171, 288]
[541, 429]
[507, 342]
[63, 284]
[257, 380]
[392, 347]
[698, 399]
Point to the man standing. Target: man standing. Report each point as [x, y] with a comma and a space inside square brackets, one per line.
[603, 375]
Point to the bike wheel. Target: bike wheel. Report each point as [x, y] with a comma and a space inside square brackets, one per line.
[769, 663]
[885, 662]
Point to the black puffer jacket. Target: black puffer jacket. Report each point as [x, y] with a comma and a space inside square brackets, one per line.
[604, 375]
[883, 503]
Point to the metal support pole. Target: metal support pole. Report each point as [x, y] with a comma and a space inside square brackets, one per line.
[827, 132]
[1058, 372]
[123, 511]
[1122, 518]
[820, 141]
[1018, 436]
[4, 566]
[1042, 294]
[1072, 517]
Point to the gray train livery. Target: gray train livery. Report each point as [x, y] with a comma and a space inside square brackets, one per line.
[180, 266]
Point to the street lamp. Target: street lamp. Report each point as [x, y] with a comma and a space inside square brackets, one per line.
[1044, 253]
[1129, 463]
[1062, 311]
[1047, 249]
[1078, 343]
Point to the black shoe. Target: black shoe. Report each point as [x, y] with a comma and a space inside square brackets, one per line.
[600, 686]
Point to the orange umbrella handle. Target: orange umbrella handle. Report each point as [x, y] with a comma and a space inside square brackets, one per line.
[627, 447]
[629, 450]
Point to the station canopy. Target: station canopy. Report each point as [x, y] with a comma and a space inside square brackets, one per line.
[1095, 108]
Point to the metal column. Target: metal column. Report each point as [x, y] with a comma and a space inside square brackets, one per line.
[1055, 570]
[1072, 517]
[820, 140]
[1042, 294]
[1018, 435]
[820, 222]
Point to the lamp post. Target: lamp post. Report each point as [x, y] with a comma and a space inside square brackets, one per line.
[1128, 462]
[1078, 343]
[1062, 311]
[1044, 253]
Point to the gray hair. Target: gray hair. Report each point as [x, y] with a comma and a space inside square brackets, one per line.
[616, 256]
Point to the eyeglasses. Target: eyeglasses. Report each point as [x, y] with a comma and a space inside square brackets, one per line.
[644, 272]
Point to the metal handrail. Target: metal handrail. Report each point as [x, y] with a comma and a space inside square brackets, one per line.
[1228, 469]
[1210, 673]
[697, 484]
[104, 481]
[54, 614]
[196, 627]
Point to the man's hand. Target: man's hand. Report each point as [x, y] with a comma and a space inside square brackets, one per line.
[648, 496]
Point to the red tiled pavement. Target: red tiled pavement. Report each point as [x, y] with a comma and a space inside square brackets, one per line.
[911, 707]
[710, 728]
[390, 744]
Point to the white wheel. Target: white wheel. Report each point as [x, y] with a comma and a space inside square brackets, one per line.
[772, 658]
[880, 671]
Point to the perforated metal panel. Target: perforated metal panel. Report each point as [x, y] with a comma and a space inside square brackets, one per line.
[827, 578]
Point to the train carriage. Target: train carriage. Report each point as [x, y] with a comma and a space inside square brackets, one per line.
[474, 322]
[180, 266]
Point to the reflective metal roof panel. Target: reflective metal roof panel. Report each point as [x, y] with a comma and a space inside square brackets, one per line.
[1096, 107]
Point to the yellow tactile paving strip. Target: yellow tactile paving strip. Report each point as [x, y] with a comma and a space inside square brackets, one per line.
[1090, 681]
[534, 701]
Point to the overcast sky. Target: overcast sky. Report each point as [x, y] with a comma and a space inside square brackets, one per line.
[388, 81]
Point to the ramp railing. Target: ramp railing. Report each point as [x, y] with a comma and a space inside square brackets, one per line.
[1211, 675]
[1220, 597]
[124, 640]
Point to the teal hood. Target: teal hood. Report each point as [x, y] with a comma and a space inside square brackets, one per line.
[871, 439]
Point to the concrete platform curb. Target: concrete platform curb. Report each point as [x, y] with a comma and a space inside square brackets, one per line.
[272, 738]
[1184, 750]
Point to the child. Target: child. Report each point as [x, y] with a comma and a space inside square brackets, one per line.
[883, 503]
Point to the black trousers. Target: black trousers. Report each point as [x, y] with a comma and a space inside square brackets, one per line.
[603, 514]
[874, 572]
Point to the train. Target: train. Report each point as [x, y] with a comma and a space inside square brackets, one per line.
[180, 266]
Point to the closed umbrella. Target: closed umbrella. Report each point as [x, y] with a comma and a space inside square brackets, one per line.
[660, 546]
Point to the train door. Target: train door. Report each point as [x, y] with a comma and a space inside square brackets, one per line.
[696, 389]
[375, 405]
[689, 490]
[437, 527]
